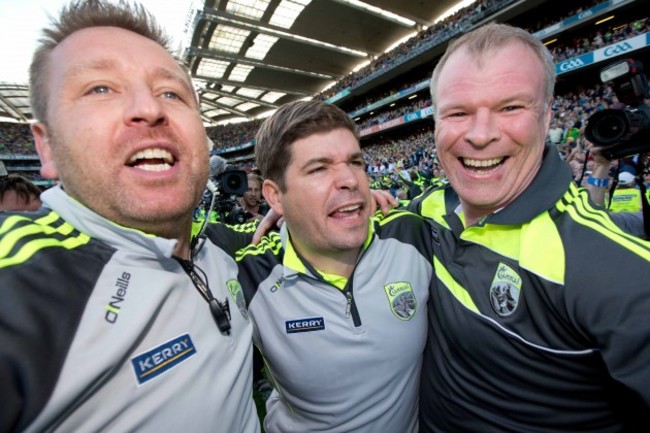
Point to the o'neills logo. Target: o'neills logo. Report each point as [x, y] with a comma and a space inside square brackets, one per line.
[505, 290]
[115, 304]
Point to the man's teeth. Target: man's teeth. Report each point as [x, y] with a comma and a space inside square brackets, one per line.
[152, 159]
[349, 208]
[154, 167]
[482, 163]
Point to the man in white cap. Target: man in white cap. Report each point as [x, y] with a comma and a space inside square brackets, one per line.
[626, 197]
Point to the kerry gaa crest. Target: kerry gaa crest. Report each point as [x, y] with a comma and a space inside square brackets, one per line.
[505, 290]
[401, 299]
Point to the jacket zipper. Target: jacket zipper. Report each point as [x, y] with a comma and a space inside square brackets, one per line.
[351, 306]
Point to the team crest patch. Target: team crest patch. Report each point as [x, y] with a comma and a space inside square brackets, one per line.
[162, 358]
[505, 290]
[238, 296]
[401, 299]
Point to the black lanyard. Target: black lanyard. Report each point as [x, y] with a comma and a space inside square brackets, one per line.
[220, 310]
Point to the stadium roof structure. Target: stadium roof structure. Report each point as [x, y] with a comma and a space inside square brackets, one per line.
[14, 102]
[250, 56]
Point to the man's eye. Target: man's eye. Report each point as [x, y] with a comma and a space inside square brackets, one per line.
[456, 114]
[171, 95]
[100, 90]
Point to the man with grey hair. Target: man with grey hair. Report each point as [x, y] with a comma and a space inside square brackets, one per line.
[527, 332]
[110, 320]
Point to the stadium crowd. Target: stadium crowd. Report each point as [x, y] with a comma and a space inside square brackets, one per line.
[383, 155]
[445, 30]
[16, 139]
[228, 136]
[571, 110]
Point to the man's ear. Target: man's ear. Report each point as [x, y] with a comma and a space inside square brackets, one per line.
[44, 150]
[548, 115]
[273, 196]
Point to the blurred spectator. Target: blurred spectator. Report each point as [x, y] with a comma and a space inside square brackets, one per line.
[555, 133]
[626, 196]
[18, 193]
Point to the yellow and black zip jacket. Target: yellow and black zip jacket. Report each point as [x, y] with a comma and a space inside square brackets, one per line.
[102, 329]
[345, 354]
[69, 263]
[538, 316]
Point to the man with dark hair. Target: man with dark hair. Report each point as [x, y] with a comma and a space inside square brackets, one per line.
[337, 299]
[18, 193]
[110, 320]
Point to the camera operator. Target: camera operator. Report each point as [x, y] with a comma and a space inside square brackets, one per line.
[597, 185]
[251, 206]
[227, 185]
[623, 134]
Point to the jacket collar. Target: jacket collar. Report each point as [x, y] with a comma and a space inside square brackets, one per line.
[548, 186]
[98, 227]
[294, 263]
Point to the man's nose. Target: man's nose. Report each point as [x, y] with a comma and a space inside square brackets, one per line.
[483, 128]
[143, 107]
[346, 177]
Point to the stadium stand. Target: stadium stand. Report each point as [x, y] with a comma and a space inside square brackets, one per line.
[389, 98]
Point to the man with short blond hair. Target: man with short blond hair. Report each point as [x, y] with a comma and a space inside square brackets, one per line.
[111, 320]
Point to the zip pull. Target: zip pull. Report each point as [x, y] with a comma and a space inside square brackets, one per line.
[348, 307]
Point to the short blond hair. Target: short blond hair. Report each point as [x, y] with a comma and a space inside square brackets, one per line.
[492, 37]
[79, 15]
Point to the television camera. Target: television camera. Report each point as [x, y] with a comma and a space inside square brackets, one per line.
[623, 132]
[229, 185]
[225, 184]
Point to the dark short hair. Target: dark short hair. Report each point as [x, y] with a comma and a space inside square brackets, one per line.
[79, 15]
[294, 121]
[22, 186]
